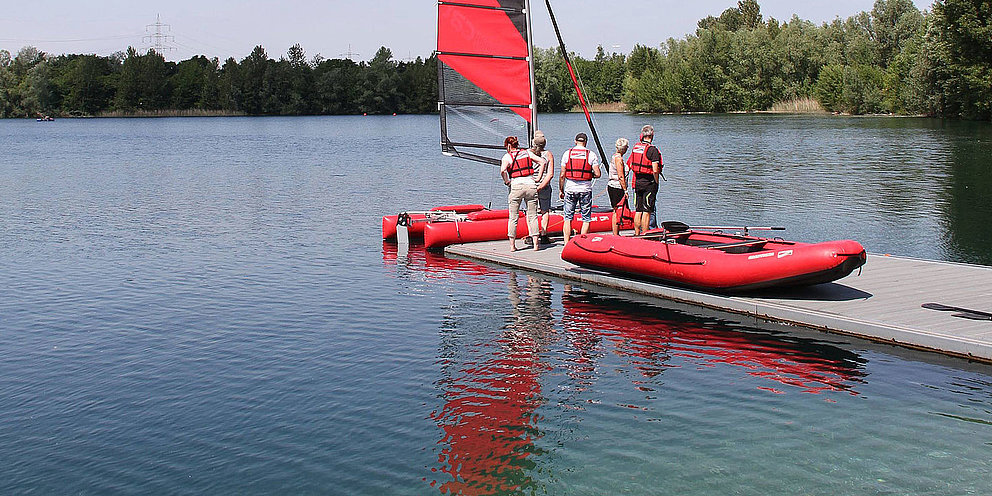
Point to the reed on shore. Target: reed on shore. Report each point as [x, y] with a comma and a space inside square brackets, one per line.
[170, 113]
[798, 106]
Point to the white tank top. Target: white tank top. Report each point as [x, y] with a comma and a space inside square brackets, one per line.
[614, 173]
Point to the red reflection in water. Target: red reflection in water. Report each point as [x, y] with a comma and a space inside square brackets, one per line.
[489, 419]
[432, 264]
[651, 342]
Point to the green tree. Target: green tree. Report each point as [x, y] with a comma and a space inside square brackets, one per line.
[144, 82]
[555, 92]
[380, 91]
[336, 84]
[252, 89]
[190, 83]
[894, 23]
[750, 14]
[829, 88]
[961, 40]
[7, 85]
[88, 82]
[299, 101]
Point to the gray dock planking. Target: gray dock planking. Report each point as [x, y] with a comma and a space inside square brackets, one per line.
[882, 303]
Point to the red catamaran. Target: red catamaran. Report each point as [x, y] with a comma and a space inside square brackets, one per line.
[486, 92]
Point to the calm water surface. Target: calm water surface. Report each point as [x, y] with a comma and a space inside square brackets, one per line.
[196, 306]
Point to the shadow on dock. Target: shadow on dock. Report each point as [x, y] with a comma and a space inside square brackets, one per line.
[830, 291]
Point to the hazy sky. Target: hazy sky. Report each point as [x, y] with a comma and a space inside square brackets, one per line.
[225, 28]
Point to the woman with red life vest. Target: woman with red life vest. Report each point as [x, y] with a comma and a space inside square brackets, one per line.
[579, 166]
[617, 187]
[645, 163]
[518, 170]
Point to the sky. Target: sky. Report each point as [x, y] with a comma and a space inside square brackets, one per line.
[335, 28]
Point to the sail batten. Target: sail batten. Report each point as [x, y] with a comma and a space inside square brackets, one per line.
[485, 74]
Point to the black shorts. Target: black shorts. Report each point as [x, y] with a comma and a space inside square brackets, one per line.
[544, 199]
[645, 194]
[616, 194]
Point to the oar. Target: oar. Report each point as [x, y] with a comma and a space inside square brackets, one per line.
[964, 312]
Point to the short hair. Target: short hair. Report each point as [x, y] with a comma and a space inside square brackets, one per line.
[511, 141]
[540, 141]
[622, 144]
[647, 130]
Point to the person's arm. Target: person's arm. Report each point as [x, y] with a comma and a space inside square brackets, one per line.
[541, 163]
[549, 171]
[504, 164]
[655, 159]
[596, 165]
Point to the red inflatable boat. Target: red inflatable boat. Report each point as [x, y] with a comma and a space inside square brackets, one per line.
[715, 261]
[415, 221]
[491, 225]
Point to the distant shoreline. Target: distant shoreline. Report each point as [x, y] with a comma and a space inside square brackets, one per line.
[616, 108]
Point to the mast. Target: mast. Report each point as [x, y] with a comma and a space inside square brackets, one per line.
[575, 81]
[533, 81]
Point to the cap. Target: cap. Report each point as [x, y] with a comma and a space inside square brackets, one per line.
[581, 137]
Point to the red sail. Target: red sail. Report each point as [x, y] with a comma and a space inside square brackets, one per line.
[485, 84]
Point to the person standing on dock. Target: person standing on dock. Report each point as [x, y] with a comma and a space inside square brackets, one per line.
[579, 166]
[617, 187]
[645, 163]
[518, 171]
[544, 184]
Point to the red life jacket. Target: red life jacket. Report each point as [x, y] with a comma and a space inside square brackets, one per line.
[521, 166]
[638, 161]
[578, 167]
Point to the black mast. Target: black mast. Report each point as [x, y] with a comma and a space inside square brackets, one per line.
[575, 81]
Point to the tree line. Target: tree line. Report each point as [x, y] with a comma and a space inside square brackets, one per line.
[893, 59]
[34, 83]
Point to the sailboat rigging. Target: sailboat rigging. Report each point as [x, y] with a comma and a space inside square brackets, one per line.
[486, 92]
[486, 83]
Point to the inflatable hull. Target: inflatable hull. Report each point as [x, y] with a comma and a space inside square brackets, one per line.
[479, 227]
[417, 220]
[715, 261]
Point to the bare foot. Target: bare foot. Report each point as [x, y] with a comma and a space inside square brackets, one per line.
[537, 243]
[513, 245]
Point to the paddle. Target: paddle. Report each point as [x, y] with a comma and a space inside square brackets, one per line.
[675, 226]
[964, 312]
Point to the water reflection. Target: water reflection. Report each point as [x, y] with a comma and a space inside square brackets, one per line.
[489, 414]
[969, 193]
[518, 376]
[650, 344]
[416, 260]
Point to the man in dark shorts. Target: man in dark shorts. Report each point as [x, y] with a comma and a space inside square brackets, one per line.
[645, 163]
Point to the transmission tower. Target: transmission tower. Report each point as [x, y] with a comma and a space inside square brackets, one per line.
[349, 54]
[158, 39]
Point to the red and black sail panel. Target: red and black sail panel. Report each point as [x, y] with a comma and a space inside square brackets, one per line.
[485, 76]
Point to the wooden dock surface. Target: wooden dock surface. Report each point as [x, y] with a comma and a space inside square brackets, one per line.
[882, 303]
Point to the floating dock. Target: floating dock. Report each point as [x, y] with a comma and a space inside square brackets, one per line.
[884, 302]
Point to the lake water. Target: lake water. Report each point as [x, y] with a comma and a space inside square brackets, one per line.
[204, 306]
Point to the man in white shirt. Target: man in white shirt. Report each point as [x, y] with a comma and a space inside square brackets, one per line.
[579, 166]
